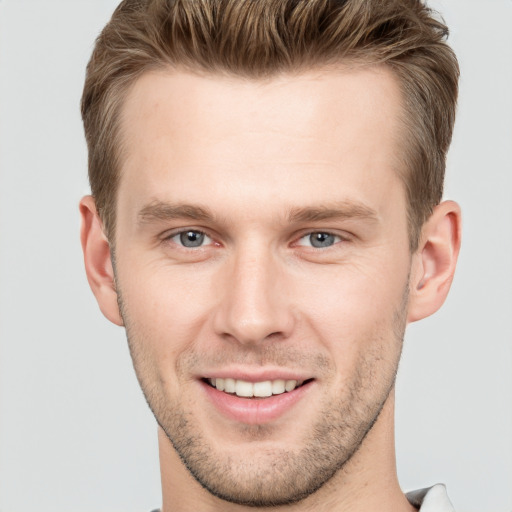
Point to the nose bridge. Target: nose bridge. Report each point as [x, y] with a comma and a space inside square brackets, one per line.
[253, 305]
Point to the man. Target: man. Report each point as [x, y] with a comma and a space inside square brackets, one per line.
[265, 219]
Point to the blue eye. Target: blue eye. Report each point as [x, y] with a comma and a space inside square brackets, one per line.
[319, 240]
[191, 238]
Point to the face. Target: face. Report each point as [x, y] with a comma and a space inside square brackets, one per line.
[262, 268]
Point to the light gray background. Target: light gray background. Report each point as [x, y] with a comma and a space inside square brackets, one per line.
[75, 433]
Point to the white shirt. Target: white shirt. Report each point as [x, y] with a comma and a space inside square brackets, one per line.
[431, 499]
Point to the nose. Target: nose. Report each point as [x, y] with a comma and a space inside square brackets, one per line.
[254, 304]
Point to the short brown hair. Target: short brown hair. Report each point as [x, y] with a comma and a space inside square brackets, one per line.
[259, 38]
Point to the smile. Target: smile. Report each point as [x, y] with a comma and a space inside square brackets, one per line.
[262, 389]
[256, 402]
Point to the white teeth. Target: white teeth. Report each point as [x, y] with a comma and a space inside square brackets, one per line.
[243, 388]
[290, 385]
[261, 389]
[229, 385]
[278, 386]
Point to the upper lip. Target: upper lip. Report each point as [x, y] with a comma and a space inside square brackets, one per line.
[257, 375]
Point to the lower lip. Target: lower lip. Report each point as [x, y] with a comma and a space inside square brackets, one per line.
[255, 411]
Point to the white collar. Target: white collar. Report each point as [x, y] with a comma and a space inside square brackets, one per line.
[431, 499]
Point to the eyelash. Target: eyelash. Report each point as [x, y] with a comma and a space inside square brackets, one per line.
[199, 232]
[310, 234]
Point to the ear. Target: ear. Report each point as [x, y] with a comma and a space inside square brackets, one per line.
[434, 262]
[98, 262]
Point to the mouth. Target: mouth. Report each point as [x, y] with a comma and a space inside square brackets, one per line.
[256, 399]
[262, 389]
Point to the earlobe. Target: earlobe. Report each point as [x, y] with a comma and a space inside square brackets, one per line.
[435, 260]
[97, 259]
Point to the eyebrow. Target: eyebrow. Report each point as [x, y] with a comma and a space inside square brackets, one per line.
[338, 211]
[163, 211]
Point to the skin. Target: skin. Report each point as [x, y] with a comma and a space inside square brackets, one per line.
[259, 166]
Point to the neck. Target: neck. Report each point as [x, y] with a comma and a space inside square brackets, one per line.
[368, 482]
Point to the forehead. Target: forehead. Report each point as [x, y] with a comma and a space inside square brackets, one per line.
[321, 135]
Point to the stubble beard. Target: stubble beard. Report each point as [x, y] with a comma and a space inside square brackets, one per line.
[279, 477]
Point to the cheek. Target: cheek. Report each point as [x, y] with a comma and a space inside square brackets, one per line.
[164, 309]
[355, 312]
